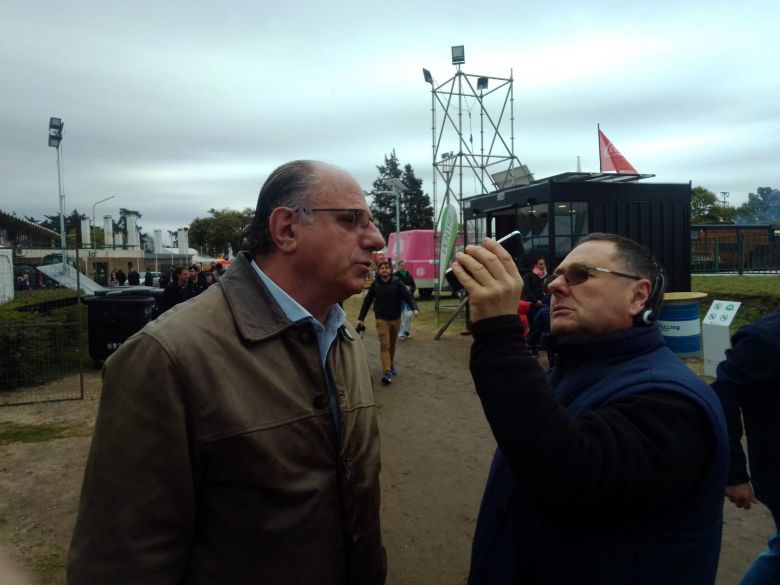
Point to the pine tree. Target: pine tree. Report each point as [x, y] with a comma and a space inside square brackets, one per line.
[416, 209]
[415, 206]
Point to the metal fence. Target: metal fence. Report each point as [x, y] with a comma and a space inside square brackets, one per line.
[43, 337]
[735, 254]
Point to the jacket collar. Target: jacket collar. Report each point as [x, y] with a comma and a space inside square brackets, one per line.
[255, 313]
[623, 344]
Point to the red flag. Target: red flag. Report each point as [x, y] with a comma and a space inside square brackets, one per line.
[610, 158]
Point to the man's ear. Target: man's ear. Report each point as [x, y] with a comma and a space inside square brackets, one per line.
[640, 294]
[283, 227]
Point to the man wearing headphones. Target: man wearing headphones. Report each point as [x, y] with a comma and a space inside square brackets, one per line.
[610, 469]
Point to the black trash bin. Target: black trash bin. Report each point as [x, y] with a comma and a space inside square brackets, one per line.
[116, 314]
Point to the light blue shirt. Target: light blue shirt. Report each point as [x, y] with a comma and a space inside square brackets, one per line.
[326, 334]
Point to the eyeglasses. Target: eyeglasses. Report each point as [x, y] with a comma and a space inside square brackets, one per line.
[357, 218]
[579, 273]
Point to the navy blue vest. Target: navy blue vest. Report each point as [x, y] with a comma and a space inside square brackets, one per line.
[682, 550]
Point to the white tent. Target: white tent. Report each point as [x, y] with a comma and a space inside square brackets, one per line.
[7, 280]
[70, 278]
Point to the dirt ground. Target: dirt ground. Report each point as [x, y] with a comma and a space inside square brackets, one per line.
[436, 448]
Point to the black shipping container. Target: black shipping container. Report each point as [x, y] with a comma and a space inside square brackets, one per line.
[555, 213]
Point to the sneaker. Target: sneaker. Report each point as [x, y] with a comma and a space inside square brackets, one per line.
[393, 371]
[386, 379]
[407, 335]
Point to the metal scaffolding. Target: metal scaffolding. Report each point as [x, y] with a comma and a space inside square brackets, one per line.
[491, 161]
[459, 104]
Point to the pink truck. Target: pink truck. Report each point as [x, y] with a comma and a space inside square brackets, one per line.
[421, 255]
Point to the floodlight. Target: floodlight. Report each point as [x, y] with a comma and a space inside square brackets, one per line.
[55, 131]
[458, 55]
[396, 185]
[427, 76]
[482, 83]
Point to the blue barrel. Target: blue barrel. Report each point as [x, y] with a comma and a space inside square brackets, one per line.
[680, 325]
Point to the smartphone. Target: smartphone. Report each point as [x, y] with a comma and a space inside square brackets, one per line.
[512, 243]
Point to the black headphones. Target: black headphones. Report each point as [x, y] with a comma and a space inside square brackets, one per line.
[652, 307]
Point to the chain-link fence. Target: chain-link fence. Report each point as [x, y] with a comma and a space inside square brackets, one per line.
[43, 338]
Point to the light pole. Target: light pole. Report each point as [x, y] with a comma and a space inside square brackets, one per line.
[94, 242]
[397, 187]
[55, 137]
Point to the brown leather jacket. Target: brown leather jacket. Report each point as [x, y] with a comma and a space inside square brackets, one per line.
[215, 458]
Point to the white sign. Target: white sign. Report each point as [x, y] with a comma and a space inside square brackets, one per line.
[715, 336]
[721, 313]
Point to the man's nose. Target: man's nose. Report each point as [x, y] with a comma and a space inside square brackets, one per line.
[556, 283]
[373, 238]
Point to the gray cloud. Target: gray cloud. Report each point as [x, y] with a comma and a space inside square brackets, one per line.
[175, 108]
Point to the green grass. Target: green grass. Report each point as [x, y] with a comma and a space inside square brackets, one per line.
[38, 433]
[759, 295]
[745, 285]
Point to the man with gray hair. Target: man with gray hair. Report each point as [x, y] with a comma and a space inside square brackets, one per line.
[246, 452]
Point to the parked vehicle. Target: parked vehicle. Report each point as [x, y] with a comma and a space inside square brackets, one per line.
[422, 258]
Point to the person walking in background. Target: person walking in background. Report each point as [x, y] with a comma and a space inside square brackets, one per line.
[387, 293]
[179, 290]
[23, 283]
[748, 385]
[148, 277]
[121, 277]
[201, 282]
[165, 280]
[133, 278]
[113, 282]
[405, 331]
[611, 468]
[533, 292]
[266, 468]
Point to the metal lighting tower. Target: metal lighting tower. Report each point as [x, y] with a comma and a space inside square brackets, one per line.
[55, 137]
[491, 163]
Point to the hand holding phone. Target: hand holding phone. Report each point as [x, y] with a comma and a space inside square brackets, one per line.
[512, 243]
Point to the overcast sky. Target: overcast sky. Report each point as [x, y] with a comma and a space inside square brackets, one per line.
[175, 107]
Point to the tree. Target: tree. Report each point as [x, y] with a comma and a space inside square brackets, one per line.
[414, 207]
[706, 208]
[121, 224]
[761, 207]
[212, 234]
[72, 226]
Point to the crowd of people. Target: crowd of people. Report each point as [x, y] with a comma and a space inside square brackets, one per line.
[610, 467]
[179, 284]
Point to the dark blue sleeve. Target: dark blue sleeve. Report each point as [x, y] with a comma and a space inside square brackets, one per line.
[751, 366]
[369, 298]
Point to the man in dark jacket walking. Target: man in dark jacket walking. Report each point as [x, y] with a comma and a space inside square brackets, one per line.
[748, 385]
[611, 469]
[180, 289]
[388, 294]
